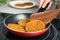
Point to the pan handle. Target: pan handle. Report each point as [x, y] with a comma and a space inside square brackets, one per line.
[43, 9]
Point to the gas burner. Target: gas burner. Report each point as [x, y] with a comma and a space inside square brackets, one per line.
[51, 34]
[56, 23]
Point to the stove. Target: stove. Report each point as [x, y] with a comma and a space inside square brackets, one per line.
[52, 34]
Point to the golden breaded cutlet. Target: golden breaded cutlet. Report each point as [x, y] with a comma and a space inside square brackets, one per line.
[16, 27]
[23, 22]
[34, 25]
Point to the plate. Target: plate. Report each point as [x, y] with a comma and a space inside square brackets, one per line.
[12, 3]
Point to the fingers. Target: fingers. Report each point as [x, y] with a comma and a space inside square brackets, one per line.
[41, 3]
[45, 3]
[49, 5]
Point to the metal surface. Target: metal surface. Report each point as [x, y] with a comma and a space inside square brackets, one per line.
[56, 23]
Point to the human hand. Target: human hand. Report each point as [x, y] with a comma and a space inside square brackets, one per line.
[43, 3]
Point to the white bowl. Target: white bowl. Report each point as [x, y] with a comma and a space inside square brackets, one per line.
[12, 3]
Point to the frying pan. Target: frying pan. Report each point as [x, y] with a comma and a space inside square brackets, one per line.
[15, 18]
